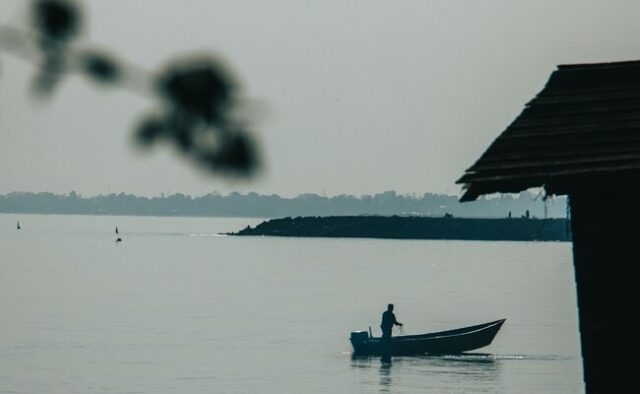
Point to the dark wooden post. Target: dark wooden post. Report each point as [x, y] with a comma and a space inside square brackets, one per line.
[606, 243]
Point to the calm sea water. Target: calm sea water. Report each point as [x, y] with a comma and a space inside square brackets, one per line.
[176, 308]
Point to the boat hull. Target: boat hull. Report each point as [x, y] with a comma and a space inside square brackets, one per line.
[444, 342]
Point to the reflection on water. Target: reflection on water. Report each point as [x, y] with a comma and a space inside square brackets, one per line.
[478, 372]
[385, 374]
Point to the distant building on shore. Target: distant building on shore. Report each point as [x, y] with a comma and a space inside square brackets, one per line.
[580, 136]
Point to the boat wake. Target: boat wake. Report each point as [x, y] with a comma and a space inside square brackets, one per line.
[492, 357]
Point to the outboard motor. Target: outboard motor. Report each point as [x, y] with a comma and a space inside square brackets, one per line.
[359, 341]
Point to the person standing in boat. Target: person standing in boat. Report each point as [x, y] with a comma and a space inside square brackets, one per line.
[388, 321]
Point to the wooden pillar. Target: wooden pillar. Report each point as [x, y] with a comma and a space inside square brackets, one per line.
[606, 249]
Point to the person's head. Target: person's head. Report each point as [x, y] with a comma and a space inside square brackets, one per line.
[390, 307]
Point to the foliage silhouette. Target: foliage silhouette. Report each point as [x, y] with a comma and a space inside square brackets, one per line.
[198, 95]
[56, 19]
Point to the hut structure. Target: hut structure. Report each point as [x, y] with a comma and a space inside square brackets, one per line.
[580, 136]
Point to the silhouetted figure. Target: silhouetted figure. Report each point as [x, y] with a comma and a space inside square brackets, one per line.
[18, 226]
[388, 321]
[117, 230]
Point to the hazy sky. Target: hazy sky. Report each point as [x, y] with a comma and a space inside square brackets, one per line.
[358, 97]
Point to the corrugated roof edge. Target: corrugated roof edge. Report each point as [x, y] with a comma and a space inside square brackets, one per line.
[566, 81]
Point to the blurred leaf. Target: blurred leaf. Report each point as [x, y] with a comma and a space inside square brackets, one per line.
[49, 75]
[236, 154]
[198, 87]
[100, 67]
[181, 129]
[200, 113]
[56, 19]
[150, 130]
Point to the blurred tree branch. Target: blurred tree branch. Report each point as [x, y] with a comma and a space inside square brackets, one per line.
[198, 97]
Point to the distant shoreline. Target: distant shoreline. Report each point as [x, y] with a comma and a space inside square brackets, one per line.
[411, 227]
[236, 205]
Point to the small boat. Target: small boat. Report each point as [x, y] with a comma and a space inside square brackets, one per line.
[444, 342]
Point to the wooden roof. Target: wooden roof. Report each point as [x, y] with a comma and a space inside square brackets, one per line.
[581, 130]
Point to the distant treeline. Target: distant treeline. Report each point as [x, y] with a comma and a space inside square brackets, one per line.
[274, 206]
[399, 227]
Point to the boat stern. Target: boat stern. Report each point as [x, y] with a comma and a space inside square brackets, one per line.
[359, 341]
